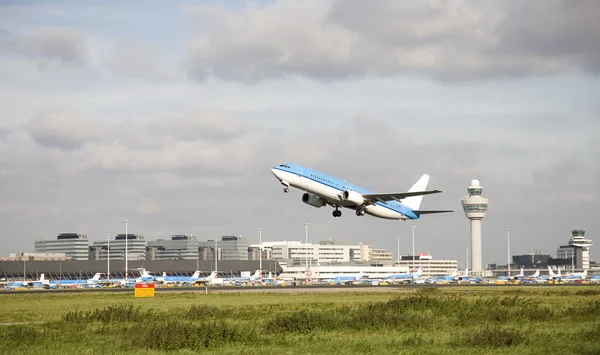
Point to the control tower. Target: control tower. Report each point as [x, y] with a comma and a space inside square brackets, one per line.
[578, 250]
[475, 207]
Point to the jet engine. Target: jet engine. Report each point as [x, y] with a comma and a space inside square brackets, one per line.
[354, 197]
[313, 200]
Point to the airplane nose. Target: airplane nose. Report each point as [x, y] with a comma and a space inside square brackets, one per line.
[275, 172]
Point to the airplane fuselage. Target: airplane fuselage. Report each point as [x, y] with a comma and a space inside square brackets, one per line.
[323, 189]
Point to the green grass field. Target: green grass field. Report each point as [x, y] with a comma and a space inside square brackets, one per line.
[473, 320]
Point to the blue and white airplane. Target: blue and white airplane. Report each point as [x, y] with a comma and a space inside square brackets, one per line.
[77, 282]
[178, 279]
[321, 190]
[254, 277]
[401, 278]
[346, 279]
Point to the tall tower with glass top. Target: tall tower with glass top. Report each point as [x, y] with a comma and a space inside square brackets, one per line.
[475, 207]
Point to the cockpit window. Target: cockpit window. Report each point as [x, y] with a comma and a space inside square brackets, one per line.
[284, 166]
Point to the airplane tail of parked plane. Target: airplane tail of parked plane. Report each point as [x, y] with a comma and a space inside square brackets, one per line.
[414, 202]
[212, 275]
[537, 273]
[418, 273]
[196, 275]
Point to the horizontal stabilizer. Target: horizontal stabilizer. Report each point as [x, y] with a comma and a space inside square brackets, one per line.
[420, 212]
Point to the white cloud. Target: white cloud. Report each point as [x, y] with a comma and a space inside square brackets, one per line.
[66, 45]
[457, 40]
[67, 130]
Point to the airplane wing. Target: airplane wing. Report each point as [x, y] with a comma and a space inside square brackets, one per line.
[420, 212]
[397, 196]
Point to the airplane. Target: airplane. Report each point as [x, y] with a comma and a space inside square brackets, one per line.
[346, 279]
[254, 277]
[577, 276]
[520, 276]
[552, 275]
[464, 278]
[401, 278]
[178, 279]
[443, 279]
[79, 282]
[321, 190]
[42, 282]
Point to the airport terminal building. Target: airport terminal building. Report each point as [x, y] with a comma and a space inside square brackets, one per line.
[73, 245]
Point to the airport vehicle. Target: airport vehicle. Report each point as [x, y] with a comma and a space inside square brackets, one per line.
[403, 278]
[321, 190]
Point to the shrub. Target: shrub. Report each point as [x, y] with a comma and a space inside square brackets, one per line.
[496, 337]
[114, 313]
[167, 336]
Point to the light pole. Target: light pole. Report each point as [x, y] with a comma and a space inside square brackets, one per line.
[108, 256]
[126, 251]
[260, 252]
[413, 238]
[467, 259]
[306, 249]
[508, 245]
[216, 253]
[306, 241]
[398, 260]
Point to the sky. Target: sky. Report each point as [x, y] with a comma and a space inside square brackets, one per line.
[171, 114]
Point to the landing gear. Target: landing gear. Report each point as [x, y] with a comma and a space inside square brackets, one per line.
[337, 213]
[360, 212]
[286, 189]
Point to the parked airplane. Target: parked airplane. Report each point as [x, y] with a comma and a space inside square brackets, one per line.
[402, 278]
[178, 279]
[345, 279]
[78, 282]
[453, 277]
[254, 277]
[42, 282]
[321, 190]
[520, 276]
[577, 276]
[552, 275]
[464, 278]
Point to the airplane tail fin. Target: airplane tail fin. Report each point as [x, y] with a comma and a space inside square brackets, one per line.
[419, 272]
[414, 202]
[550, 272]
[537, 273]
[584, 273]
[96, 276]
[212, 275]
[196, 274]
